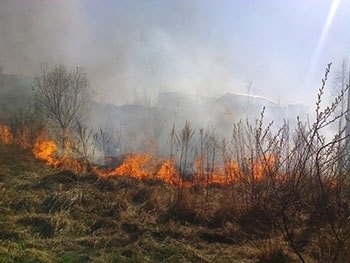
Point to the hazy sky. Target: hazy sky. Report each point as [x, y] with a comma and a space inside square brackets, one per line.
[203, 47]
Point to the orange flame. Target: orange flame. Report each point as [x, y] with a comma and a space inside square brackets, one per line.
[263, 166]
[143, 166]
[45, 150]
[135, 166]
[5, 134]
[146, 166]
[168, 173]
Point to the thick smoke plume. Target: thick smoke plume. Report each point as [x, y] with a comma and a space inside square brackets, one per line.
[128, 55]
[132, 50]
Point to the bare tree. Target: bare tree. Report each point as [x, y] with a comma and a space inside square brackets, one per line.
[61, 96]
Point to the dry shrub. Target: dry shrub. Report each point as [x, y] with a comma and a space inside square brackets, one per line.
[256, 221]
[276, 255]
[157, 201]
[221, 216]
[225, 208]
[185, 208]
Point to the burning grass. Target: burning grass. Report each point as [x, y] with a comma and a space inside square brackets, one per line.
[5, 134]
[60, 216]
[144, 166]
[55, 216]
[265, 196]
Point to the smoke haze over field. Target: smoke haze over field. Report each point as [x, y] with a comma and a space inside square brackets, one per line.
[132, 48]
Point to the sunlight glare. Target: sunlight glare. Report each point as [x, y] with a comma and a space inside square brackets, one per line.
[330, 17]
[329, 20]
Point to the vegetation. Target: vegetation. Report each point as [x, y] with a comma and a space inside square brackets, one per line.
[265, 195]
[61, 96]
[59, 216]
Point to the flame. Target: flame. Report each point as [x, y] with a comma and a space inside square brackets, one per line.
[5, 134]
[45, 150]
[135, 166]
[22, 139]
[168, 173]
[231, 171]
[142, 165]
[227, 175]
[147, 165]
[263, 166]
[69, 163]
[210, 174]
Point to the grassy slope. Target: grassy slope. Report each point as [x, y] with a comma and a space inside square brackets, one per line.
[51, 216]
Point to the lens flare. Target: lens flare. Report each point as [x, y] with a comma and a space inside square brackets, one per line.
[331, 13]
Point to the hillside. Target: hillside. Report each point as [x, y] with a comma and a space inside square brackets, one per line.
[288, 203]
[58, 216]
[263, 195]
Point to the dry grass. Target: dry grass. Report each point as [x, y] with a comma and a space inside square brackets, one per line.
[59, 216]
[52, 216]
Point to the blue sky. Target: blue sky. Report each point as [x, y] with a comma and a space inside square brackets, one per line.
[136, 47]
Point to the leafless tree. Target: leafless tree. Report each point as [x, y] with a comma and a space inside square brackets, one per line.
[61, 95]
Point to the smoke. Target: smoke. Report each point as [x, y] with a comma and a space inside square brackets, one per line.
[136, 48]
[128, 48]
[35, 31]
